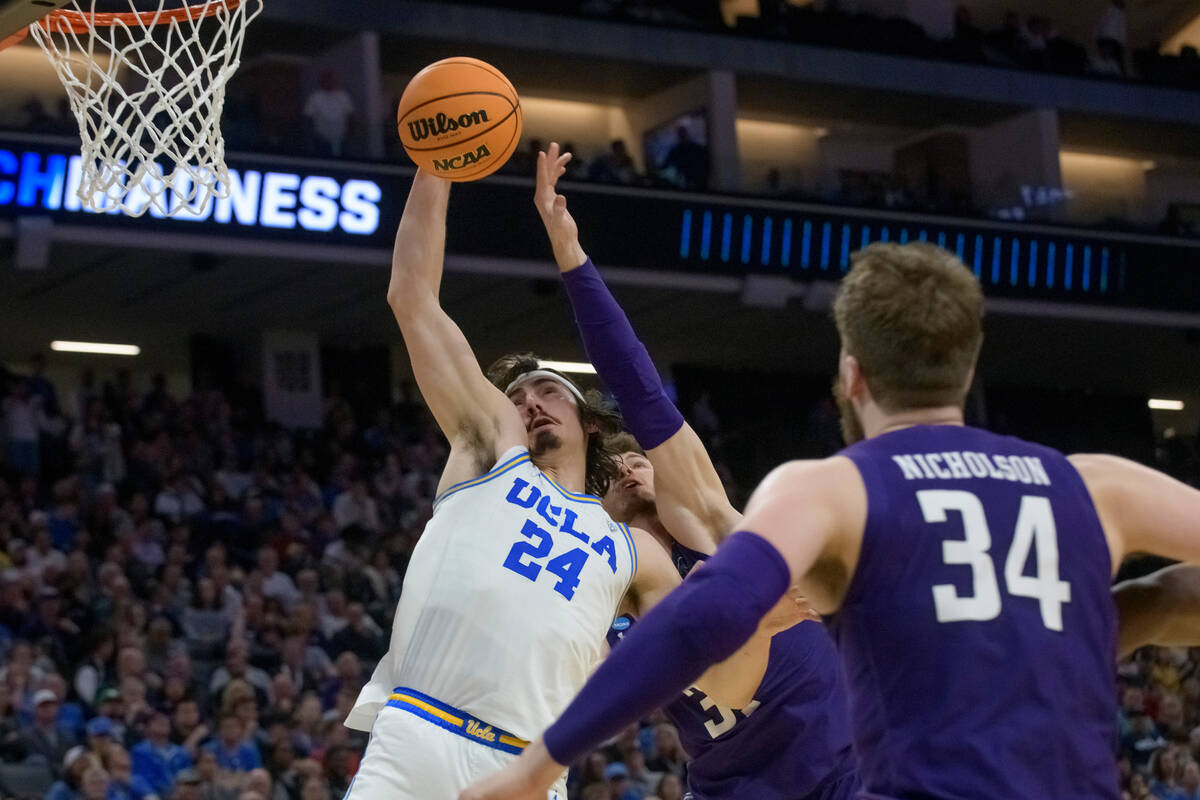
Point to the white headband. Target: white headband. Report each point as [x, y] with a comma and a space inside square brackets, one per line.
[536, 374]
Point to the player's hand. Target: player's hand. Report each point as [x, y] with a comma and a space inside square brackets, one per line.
[791, 610]
[528, 778]
[552, 207]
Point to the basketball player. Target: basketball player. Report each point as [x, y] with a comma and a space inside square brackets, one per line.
[969, 573]
[519, 573]
[786, 734]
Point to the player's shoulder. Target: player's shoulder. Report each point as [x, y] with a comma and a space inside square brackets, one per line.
[1105, 474]
[812, 475]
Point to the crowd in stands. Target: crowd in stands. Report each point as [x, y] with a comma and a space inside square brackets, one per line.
[1033, 43]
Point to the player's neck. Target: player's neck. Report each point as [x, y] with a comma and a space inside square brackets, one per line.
[881, 423]
[649, 522]
[568, 470]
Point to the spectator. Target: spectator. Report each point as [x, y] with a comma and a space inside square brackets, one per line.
[330, 112]
[668, 752]
[259, 781]
[187, 786]
[179, 499]
[670, 787]
[1189, 786]
[25, 418]
[214, 783]
[44, 738]
[100, 736]
[95, 784]
[237, 665]
[642, 779]
[156, 760]
[356, 507]
[276, 584]
[123, 784]
[69, 787]
[615, 166]
[619, 787]
[1111, 35]
[233, 753]
[187, 728]
[688, 161]
[360, 636]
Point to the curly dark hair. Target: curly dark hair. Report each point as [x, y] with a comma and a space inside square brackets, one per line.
[603, 466]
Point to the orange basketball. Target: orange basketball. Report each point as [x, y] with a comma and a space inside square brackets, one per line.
[460, 119]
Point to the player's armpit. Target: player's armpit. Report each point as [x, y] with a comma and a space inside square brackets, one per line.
[813, 513]
[689, 495]
[467, 407]
[1141, 509]
[1162, 608]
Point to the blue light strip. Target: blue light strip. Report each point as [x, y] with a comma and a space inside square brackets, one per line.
[685, 235]
[1087, 268]
[1104, 271]
[1014, 266]
[960, 244]
[996, 247]
[1050, 265]
[805, 241]
[866, 236]
[978, 255]
[705, 235]
[826, 229]
[923, 236]
[941, 238]
[1070, 268]
[747, 232]
[904, 236]
[766, 242]
[885, 233]
[845, 260]
[726, 236]
[1032, 263]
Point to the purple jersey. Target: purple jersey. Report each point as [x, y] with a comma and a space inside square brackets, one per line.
[980, 663]
[792, 742]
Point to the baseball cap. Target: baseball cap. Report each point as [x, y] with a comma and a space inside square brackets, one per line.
[106, 694]
[73, 755]
[187, 775]
[616, 770]
[44, 696]
[100, 726]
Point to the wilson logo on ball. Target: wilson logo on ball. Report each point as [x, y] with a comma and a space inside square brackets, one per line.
[425, 127]
[464, 160]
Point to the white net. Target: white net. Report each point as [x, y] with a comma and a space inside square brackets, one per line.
[148, 88]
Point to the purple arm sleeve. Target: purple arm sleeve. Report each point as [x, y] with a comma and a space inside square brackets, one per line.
[704, 621]
[620, 358]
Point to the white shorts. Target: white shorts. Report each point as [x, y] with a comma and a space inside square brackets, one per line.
[409, 758]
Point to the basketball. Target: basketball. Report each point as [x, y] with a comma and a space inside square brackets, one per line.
[459, 118]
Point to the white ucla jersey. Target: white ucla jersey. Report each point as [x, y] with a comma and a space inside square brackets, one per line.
[507, 599]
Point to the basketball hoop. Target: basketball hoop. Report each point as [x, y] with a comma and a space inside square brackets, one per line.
[147, 88]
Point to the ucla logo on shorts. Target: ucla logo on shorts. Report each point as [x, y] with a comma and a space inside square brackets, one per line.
[621, 624]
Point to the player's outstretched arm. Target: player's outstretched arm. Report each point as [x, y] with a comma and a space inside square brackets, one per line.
[470, 411]
[803, 519]
[690, 498]
[1162, 608]
[1141, 509]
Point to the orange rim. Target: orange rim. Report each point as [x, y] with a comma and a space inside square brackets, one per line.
[82, 22]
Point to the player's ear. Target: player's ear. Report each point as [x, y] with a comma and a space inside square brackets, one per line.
[850, 375]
